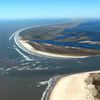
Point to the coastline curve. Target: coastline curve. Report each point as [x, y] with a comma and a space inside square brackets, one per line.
[37, 52]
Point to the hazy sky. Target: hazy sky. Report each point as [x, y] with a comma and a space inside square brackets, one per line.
[49, 9]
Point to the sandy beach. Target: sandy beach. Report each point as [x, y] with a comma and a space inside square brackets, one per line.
[34, 51]
[74, 87]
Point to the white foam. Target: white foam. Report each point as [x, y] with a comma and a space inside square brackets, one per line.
[78, 61]
[23, 55]
[24, 64]
[15, 67]
[90, 42]
[50, 83]
[10, 38]
[8, 69]
[39, 68]
[16, 39]
[42, 83]
[22, 68]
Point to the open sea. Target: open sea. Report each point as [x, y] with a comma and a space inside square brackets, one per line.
[25, 77]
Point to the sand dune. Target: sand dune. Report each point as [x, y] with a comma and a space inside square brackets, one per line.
[77, 87]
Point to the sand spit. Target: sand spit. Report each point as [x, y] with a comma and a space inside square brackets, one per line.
[83, 86]
[24, 45]
[31, 49]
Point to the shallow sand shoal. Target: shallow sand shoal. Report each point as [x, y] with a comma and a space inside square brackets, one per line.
[72, 87]
[34, 51]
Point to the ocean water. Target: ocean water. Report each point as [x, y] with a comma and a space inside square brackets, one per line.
[20, 72]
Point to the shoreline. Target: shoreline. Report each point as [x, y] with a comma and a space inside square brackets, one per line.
[29, 49]
[60, 80]
[51, 84]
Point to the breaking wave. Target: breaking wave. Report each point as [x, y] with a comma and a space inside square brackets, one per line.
[23, 55]
[51, 84]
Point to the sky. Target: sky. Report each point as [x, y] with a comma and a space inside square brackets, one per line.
[26, 9]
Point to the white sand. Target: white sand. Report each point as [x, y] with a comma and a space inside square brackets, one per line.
[90, 42]
[71, 87]
[34, 51]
